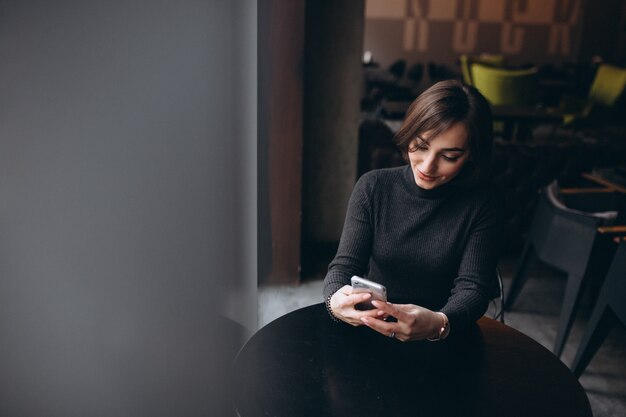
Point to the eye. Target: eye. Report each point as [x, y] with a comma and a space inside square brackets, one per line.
[450, 158]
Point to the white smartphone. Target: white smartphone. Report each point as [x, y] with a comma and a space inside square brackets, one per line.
[362, 285]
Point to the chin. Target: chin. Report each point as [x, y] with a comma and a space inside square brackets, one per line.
[426, 186]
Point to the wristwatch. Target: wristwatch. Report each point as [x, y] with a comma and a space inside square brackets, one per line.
[444, 330]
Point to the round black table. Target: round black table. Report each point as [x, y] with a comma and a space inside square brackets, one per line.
[304, 364]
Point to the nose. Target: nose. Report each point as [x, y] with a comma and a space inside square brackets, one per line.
[430, 164]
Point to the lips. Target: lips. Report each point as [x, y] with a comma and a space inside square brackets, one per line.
[425, 177]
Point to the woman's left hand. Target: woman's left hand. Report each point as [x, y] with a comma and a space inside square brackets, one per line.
[414, 322]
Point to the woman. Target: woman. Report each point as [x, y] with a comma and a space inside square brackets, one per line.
[428, 231]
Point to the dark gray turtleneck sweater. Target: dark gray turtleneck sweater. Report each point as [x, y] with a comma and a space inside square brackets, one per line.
[435, 248]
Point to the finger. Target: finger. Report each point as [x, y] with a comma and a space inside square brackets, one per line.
[389, 308]
[354, 316]
[380, 326]
[366, 313]
[382, 315]
[351, 300]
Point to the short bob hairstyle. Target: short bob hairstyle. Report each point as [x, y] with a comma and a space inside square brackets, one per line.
[440, 107]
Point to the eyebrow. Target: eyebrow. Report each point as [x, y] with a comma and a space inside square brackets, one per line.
[453, 150]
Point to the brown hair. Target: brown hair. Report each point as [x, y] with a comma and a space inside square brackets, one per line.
[443, 105]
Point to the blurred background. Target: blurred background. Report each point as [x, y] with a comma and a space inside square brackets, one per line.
[339, 76]
[335, 80]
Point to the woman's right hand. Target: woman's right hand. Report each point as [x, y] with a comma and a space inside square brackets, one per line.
[342, 304]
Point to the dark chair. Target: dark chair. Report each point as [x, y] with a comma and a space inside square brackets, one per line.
[570, 240]
[415, 73]
[439, 72]
[608, 85]
[599, 108]
[376, 147]
[397, 68]
[609, 310]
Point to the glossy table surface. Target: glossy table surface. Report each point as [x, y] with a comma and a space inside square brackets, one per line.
[304, 364]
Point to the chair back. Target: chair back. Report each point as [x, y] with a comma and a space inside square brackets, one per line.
[416, 72]
[465, 60]
[376, 147]
[598, 207]
[562, 237]
[397, 68]
[608, 85]
[503, 87]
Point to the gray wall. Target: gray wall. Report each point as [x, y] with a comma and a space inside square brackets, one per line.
[127, 206]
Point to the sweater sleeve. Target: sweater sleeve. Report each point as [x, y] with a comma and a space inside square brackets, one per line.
[474, 285]
[355, 245]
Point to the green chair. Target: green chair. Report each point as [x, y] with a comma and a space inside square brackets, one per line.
[608, 85]
[506, 87]
[497, 61]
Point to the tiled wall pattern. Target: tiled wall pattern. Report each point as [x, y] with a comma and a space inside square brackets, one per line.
[535, 31]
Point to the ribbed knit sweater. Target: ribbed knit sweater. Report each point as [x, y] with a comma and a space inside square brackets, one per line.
[435, 248]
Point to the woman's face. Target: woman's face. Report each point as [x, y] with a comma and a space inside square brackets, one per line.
[437, 160]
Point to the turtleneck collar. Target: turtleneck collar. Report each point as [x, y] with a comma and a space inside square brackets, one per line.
[438, 192]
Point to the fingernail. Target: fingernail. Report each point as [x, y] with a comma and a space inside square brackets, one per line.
[364, 320]
[380, 313]
[366, 296]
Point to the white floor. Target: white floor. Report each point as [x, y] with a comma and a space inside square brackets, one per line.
[276, 301]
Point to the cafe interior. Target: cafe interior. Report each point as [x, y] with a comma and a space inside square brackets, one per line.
[554, 73]
[175, 175]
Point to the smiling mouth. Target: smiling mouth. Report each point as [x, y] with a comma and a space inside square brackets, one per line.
[425, 177]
